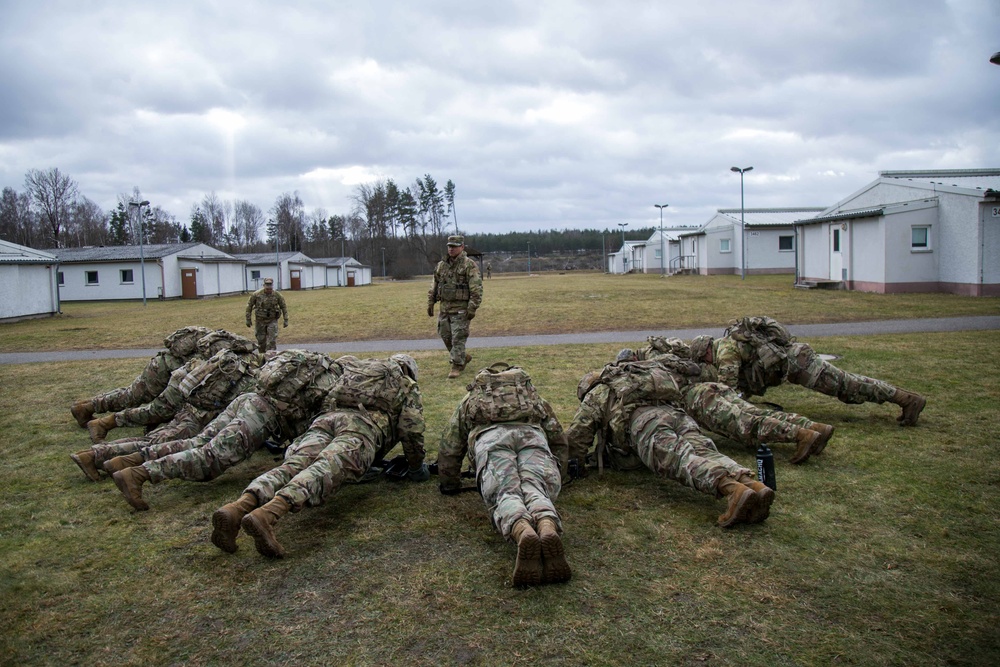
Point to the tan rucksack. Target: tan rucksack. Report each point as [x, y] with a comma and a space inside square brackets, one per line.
[220, 339]
[375, 384]
[184, 342]
[292, 375]
[503, 393]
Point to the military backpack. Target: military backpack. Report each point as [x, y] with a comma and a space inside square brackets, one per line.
[220, 339]
[674, 346]
[295, 376]
[376, 384]
[184, 342]
[635, 383]
[770, 340]
[503, 393]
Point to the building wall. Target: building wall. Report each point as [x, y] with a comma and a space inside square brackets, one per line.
[109, 283]
[989, 251]
[717, 261]
[29, 290]
[763, 253]
[814, 252]
[902, 263]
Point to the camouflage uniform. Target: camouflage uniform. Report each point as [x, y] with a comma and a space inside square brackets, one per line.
[459, 288]
[240, 430]
[154, 377]
[661, 437]
[205, 384]
[517, 465]
[268, 307]
[187, 423]
[340, 446]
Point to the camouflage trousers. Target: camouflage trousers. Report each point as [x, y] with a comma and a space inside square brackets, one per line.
[144, 388]
[339, 447]
[238, 432]
[807, 369]
[454, 331]
[670, 444]
[266, 333]
[517, 474]
[187, 423]
[161, 409]
[720, 409]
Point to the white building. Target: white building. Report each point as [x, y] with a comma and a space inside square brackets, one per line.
[769, 238]
[30, 282]
[346, 272]
[159, 271]
[908, 231]
[289, 270]
[648, 256]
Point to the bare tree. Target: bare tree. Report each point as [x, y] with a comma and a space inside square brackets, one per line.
[288, 216]
[216, 214]
[17, 223]
[248, 220]
[54, 193]
[88, 224]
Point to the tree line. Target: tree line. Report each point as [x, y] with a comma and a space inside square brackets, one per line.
[398, 229]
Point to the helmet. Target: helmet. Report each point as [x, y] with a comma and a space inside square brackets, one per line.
[587, 383]
[626, 354]
[407, 363]
[220, 339]
[699, 346]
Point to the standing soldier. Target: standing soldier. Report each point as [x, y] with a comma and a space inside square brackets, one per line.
[515, 442]
[489, 270]
[459, 288]
[268, 305]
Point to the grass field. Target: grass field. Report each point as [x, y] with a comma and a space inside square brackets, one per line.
[883, 551]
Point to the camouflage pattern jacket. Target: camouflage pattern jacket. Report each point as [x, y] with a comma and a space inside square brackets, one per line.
[738, 366]
[462, 433]
[457, 285]
[268, 306]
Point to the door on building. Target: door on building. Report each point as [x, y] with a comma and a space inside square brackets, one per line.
[296, 279]
[189, 283]
[836, 256]
[350, 278]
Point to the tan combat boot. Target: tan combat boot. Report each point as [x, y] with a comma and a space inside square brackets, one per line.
[456, 370]
[528, 567]
[111, 466]
[226, 521]
[259, 524]
[468, 358]
[825, 433]
[85, 459]
[99, 427]
[129, 482]
[807, 440]
[742, 503]
[765, 497]
[83, 412]
[912, 404]
[555, 568]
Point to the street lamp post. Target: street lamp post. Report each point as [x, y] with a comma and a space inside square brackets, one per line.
[623, 225]
[743, 224]
[529, 259]
[663, 257]
[383, 262]
[142, 259]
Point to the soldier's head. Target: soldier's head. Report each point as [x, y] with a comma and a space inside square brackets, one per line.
[587, 383]
[407, 363]
[456, 244]
[268, 285]
[626, 354]
[184, 342]
[700, 346]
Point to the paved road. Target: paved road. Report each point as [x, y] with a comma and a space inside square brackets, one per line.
[926, 325]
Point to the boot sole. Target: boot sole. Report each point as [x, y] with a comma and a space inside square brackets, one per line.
[917, 408]
[744, 507]
[765, 498]
[528, 567]
[262, 537]
[81, 417]
[555, 567]
[804, 450]
[92, 475]
[824, 438]
[224, 530]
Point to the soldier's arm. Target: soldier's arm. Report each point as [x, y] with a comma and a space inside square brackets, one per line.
[586, 423]
[558, 443]
[432, 294]
[727, 361]
[284, 308]
[410, 428]
[475, 287]
[451, 450]
[250, 303]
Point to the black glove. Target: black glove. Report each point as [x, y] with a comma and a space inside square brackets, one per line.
[470, 315]
[430, 310]
[449, 490]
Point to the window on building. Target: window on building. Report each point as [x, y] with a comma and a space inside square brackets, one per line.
[59, 278]
[724, 245]
[91, 277]
[920, 238]
[657, 254]
[127, 276]
[836, 240]
[786, 243]
[254, 274]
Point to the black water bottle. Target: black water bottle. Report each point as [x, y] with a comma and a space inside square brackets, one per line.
[765, 467]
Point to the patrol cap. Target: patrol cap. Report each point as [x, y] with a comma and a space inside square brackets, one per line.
[268, 281]
[456, 240]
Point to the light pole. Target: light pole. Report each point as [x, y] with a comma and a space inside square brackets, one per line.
[623, 225]
[142, 259]
[663, 257]
[995, 58]
[743, 224]
[383, 262]
[529, 259]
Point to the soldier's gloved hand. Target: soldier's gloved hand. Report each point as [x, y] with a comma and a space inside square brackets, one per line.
[249, 324]
[430, 310]
[286, 324]
[421, 474]
[470, 315]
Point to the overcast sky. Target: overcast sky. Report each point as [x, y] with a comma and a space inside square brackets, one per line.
[545, 114]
